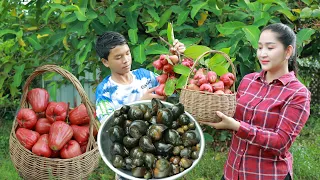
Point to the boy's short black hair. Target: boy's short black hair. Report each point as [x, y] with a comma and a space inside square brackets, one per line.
[108, 41]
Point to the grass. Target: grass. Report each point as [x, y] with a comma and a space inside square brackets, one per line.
[305, 150]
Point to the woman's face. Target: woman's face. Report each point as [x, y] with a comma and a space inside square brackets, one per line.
[119, 59]
[271, 53]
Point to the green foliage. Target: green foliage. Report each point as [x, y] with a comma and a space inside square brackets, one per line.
[306, 151]
[64, 32]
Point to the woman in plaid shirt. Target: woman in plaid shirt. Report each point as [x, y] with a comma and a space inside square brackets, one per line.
[272, 107]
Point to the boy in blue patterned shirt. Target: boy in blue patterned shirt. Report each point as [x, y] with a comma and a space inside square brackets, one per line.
[123, 86]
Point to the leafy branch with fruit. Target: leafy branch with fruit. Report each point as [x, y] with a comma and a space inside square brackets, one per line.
[194, 70]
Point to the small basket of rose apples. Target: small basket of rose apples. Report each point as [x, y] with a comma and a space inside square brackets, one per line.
[205, 92]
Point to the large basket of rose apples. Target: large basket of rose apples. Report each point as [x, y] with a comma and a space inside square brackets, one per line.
[205, 93]
[51, 140]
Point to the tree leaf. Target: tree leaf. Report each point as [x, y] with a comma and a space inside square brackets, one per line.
[82, 43]
[169, 87]
[153, 14]
[21, 42]
[229, 27]
[2, 79]
[65, 43]
[81, 55]
[181, 69]
[207, 137]
[147, 41]
[252, 33]
[190, 41]
[170, 34]
[133, 35]
[139, 54]
[69, 18]
[134, 6]
[131, 19]
[98, 26]
[91, 14]
[80, 16]
[13, 90]
[213, 7]
[196, 8]
[47, 13]
[33, 40]
[261, 19]
[304, 35]
[56, 38]
[288, 13]
[195, 51]
[181, 82]
[306, 13]
[203, 18]
[93, 4]
[7, 31]
[83, 3]
[151, 27]
[219, 69]
[182, 17]
[53, 86]
[316, 13]
[17, 78]
[70, 8]
[110, 13]
[77, 27]
[307, 2]
[156, 49]
[165, 17]
[7, 68]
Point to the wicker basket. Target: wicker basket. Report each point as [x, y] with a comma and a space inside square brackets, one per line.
[203, 105]
[31, 166]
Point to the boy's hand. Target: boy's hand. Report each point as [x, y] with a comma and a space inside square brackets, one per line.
[177, 47]
[150, 95]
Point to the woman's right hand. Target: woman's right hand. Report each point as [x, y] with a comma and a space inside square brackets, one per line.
[150, 94]
[225, 123]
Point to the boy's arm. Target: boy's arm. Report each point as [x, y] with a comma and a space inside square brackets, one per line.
[103, 109]
[104, 105]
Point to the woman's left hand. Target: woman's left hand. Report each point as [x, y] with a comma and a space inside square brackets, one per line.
[225, 123]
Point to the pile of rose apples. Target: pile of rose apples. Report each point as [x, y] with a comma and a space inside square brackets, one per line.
[51, 129]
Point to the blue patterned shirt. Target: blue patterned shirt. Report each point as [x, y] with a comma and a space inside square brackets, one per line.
[111, 95]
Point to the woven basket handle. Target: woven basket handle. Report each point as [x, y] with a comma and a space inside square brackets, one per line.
[84, 98]
[218, 52]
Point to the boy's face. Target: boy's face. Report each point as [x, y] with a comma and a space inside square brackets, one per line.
[119, 59]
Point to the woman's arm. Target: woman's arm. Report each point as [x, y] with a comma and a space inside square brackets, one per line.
[292, 118]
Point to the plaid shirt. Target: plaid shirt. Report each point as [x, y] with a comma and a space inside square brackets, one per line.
[271, 116]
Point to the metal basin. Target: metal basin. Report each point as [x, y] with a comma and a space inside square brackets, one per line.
[104, 143]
